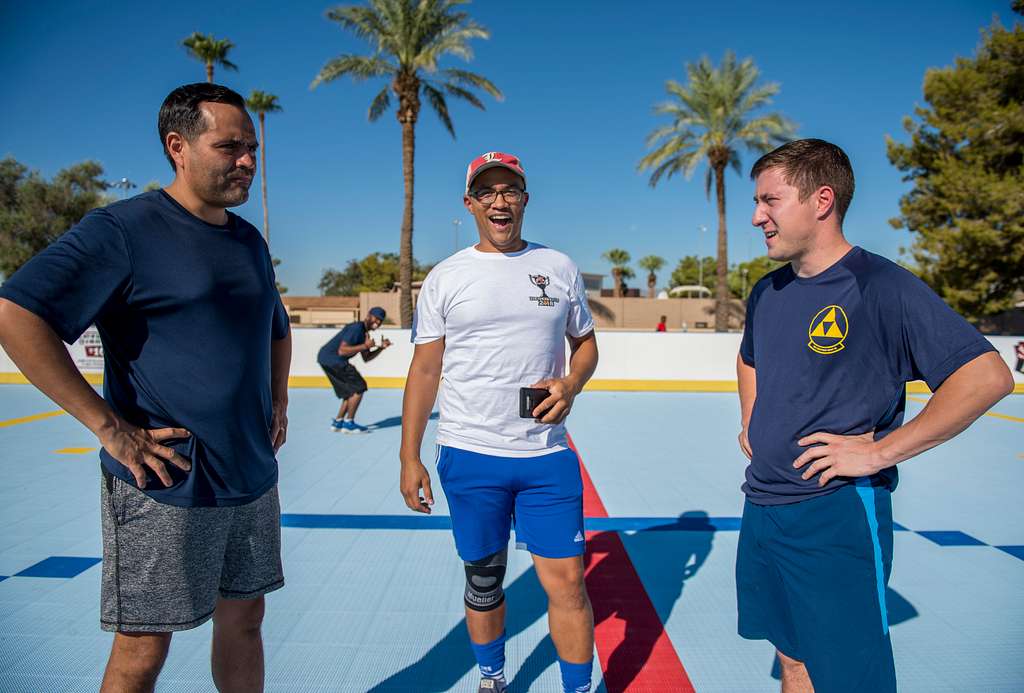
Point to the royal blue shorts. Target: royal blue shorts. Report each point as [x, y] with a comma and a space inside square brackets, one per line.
[811, 579]
[542, 496]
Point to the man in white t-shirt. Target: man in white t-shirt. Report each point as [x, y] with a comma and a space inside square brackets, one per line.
[490, 320]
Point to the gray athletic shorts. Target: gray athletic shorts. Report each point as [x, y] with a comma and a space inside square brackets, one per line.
[164, 566]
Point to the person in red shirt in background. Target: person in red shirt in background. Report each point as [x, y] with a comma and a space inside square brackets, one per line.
[661, 324]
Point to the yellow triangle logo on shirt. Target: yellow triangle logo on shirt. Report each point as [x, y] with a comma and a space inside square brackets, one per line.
[830, 323]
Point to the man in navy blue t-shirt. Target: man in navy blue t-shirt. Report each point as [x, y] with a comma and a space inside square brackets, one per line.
[830, 341]
[348, 384]
[195, 392]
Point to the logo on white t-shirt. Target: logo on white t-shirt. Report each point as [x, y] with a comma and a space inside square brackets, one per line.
[542, 282]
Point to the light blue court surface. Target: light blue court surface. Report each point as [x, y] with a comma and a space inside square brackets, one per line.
[373, 599]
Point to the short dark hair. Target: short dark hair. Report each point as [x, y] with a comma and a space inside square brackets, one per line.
[809, 164]
[180, 111]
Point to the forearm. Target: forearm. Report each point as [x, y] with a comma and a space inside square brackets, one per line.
[746, 382]
[371, 354]
[960, 400]
[40, 355]
[280, 367]
[582, 362]
[420, 393]
[349, 350]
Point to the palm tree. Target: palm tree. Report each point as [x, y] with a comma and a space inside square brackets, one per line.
[712, 116]
[619, 260]
[651, 263]
[408, 38]
[211, 51]
[261, 103]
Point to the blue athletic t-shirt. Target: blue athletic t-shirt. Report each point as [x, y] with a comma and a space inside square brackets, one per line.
[352, 334]
[186, 311]
[833, 354]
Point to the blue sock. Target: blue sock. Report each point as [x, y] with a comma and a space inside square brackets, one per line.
[575, 677]
[491, 657]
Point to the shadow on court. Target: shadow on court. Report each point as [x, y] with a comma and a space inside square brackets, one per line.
[666, 556]
[393, 421]
[449, 660]
[678, 550]
[897, 608]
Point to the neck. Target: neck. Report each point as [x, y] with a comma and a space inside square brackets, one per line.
[184, 196]
[821, 257]
[485, 246]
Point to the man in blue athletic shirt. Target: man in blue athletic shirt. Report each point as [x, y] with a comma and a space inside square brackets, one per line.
[831, 339]
[491, 319]
[348, 384]
[195, 393]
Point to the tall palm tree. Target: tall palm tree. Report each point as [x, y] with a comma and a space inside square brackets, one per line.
[262, 103]
[712, 117]
[651, 263]
[619, 260]
[409, 37]
[210, 51]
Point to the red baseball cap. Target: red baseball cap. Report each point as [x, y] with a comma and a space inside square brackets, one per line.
[493, 160]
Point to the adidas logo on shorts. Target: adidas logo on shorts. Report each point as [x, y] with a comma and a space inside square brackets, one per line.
[579, 537]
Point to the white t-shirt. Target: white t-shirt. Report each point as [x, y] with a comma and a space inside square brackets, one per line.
[502, 331]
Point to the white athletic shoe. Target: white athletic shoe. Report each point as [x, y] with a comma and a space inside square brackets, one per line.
[492, 686]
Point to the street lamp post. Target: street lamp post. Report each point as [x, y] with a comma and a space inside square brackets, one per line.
[743, 273]
[125, 186]
[456, 223]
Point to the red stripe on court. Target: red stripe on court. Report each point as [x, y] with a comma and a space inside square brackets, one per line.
[635, 652]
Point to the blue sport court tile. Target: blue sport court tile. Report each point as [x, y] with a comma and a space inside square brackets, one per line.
[59, 567]
[1016, 551]
[663, 524]
[320, 521]
[951, 538]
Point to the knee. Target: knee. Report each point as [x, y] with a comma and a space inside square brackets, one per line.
[240, 615]
[566, 590]
[141, 656]
[484, 578]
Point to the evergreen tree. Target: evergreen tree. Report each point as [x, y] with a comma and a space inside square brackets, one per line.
[966, 161]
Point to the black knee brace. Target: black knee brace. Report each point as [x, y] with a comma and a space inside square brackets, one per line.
[484, 579]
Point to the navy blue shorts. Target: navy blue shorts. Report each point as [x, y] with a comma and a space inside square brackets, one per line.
[542, 496]
[811, 577]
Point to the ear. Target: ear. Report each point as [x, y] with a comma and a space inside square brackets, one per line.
[526, 199]
[176, 144]
[467, 201]
[825, 201]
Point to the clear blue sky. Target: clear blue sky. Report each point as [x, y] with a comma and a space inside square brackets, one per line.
[85, 81]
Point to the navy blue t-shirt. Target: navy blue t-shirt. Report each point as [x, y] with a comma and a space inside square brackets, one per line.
[833, 354]
[186, 311]
[352, 334]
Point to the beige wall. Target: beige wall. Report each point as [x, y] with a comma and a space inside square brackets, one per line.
[627, 313]
[322, 316]
[388, 300]
[643, 313]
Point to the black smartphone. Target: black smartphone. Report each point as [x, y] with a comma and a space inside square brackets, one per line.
[529, 398]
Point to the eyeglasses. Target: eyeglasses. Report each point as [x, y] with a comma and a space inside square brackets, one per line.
[487, 196]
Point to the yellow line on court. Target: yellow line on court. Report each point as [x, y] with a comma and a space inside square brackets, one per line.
[599, 384]
[74, 451]
[29, 419]
[994, 415]
[19, 379]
